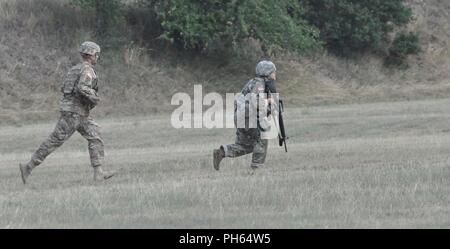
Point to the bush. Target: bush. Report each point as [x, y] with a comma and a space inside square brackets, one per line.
[403, 45]
[199, 25]
[345, 27]
[355, 26]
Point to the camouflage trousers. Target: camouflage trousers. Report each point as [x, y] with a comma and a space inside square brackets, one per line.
[248, 141]
[67, 124]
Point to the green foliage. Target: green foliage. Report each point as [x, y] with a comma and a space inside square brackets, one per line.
[345, 27]
[108, 12]
[199, 25]
[403, 45]
[349, 26]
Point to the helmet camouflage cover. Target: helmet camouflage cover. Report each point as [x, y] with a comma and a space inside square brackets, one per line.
[265, 68]
[89, 48]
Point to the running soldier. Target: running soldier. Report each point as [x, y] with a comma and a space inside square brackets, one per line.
[79, 96]
[248, 138]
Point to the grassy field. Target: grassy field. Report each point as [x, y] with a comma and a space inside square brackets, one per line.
[382, 165]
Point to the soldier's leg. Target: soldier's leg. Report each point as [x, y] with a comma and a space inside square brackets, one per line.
[259, 153]
[243, 145]
[65, 127]
[91, 132]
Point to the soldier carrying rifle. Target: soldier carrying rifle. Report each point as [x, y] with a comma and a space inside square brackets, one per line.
[249, 139]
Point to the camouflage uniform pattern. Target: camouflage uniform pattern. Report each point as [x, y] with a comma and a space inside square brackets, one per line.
[265, 68]
[68, 123]
[248, 140]
[89, 47]
[79, 90]
[79, 97]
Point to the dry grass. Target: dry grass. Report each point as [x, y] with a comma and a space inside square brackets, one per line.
[327, 79]
[40, 39]
[382, 165]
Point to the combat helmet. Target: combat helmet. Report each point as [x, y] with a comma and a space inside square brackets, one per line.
[89, 47]
[265, 68]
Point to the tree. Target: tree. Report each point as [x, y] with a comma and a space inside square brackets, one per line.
[353, 26]
[403, 45]
[197, 24]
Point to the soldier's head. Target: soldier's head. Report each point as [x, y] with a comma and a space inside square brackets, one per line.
[90, 52]
[266, 69]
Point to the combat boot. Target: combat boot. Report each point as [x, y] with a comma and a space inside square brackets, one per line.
[218, 155]
[100, 175]
[25, 171]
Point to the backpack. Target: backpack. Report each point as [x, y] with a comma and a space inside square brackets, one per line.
[243, 116]
[71, 80]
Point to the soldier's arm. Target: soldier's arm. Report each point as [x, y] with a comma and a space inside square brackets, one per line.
[262, 103]
[258, 92]
[85, 89]
[273, 96]
[274, 101]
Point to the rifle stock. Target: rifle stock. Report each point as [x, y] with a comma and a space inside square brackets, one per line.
[282, 134]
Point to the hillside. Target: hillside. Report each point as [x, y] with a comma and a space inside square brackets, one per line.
[40, 38]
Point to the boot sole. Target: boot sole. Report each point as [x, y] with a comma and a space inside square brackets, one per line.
[105, 177]
[216, 165]
[24, 180]
[109, 176]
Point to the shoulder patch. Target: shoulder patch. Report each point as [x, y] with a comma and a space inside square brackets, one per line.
[88, 76]
[88, 72]
[259, 86]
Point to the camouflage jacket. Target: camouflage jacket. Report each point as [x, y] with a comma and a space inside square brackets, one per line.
[80, 90]
[247, 106]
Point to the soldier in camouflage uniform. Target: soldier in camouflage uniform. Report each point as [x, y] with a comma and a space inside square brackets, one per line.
[80, 96]
[248, 140]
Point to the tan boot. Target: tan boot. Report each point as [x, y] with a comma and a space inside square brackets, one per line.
[25, 171]
[100, 175]
[218, 155]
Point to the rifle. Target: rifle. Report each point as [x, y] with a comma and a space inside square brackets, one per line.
[270, 88]
[282, 134]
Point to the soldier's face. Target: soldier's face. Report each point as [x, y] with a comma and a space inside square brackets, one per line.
[273, 76]
[95, 58]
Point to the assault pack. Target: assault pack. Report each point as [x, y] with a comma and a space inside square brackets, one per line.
[71, 80]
